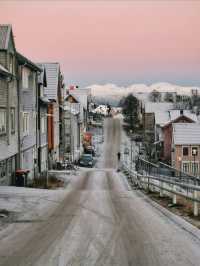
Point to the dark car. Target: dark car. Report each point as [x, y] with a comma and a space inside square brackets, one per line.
[86, 160]
[90, 150]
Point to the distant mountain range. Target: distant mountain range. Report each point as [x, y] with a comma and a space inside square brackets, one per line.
[111, 93]
[114, 90]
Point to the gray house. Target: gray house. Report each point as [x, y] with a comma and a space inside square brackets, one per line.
[28, 74]
[8, 106]
[71, 138]
[53, 92]
[42, 123]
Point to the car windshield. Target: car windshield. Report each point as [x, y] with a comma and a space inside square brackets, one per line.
[87, 156]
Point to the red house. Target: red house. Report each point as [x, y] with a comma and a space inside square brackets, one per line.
[167, 134]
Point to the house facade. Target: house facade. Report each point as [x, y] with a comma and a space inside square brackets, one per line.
[28, 106]
[148, 118]
[8, 106]
[43, 102]
[54, 93]
[167, 131]
[186, 148]
[71, 130]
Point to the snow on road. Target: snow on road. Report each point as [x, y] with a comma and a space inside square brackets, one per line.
[98, 220]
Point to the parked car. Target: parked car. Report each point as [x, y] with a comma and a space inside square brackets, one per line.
[86, 160]
[89, 150]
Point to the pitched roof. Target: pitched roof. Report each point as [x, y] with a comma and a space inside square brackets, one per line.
[69, 96]
[161, 118]
[5, 31]
[52, 75]
[186, 134]
[23, 60]
[81, 95]
[174, 115]
[42, 79]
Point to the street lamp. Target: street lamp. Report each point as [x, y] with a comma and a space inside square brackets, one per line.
[194, 153]
[131, 149]
[179, 160]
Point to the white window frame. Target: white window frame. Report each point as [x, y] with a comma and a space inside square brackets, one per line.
[25, 77]
[197, 150]
[43, 124]
[11, 63]
[3, 169]
[188, 163]
[12, 123]
[192, 167]
[3, 122]
[26, 118]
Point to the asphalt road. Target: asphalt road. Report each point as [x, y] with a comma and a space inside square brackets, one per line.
[102, 222]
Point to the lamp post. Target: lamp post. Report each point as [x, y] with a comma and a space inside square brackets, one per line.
[194, 153]
[131, 149]
[179, 160]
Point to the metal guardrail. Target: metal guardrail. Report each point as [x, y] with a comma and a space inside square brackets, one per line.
[167, 171]
[165, 185]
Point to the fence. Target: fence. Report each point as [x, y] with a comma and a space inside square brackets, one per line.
[151, 178]
[166, 171]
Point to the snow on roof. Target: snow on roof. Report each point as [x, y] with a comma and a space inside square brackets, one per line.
[161, 118]
[81, 95]
[73, 108]
[164, 117]
[174, 114]
[158, 107]
[186, 134]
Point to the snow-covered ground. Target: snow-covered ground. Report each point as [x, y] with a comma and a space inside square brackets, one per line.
[97, 220]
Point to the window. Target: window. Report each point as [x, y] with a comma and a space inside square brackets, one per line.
[194, 151]
[31, 80]
[186, 167]
[185, 151]
[12, 119]
[2, 169]
[43, 124]
[25, 123]
[194, 168]
[2, 121]
[25, 78]
[11, 64]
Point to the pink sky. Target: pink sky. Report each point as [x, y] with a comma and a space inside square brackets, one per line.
[113, 41]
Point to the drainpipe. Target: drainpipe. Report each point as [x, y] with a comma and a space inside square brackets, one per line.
[18, 117]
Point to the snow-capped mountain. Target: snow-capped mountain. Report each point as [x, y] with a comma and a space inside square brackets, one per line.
[113, 90]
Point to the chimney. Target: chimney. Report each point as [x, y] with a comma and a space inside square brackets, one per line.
[181, 112]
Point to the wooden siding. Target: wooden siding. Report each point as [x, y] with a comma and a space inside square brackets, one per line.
[8, 98]
[3, 58]
[3, 93]
[167, 136]
[50, 127]
[43, 136]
